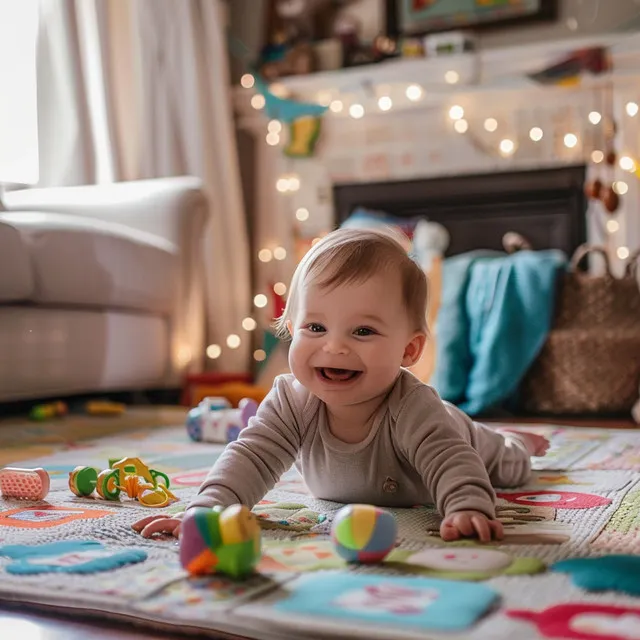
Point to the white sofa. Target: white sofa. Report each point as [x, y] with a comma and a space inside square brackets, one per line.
[101, 287]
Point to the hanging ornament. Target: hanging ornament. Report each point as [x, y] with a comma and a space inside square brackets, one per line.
[599, 189]
[610, 200]
[284, 109]
[593, 189]
[303, 135]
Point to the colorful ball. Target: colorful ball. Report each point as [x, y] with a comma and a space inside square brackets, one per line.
[220, 541]
[363, 533]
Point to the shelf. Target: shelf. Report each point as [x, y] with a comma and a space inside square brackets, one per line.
[501, 68]
[484, 73]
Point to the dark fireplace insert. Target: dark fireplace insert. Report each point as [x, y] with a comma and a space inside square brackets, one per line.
[546, 206]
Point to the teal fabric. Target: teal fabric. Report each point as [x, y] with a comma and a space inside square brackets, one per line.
[494, 318]
[453, 351]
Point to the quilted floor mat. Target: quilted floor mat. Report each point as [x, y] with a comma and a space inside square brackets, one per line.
[80, 554]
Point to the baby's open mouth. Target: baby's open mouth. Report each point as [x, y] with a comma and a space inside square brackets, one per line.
[338, 375]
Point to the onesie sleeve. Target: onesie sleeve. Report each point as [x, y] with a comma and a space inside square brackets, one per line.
[451, 468]
[264, 450]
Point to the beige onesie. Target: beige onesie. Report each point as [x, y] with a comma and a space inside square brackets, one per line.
[420, 450]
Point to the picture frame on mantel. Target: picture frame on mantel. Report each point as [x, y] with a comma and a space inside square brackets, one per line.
[421, 17]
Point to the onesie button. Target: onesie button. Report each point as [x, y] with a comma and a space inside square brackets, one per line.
[390, 486]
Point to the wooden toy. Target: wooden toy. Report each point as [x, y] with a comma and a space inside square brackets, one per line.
[213, 420]
[148, 486]
[220, 540]
[363, 533]
[24, 484]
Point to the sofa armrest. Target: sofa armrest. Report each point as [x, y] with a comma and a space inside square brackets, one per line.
[174, 209]
[162, 206]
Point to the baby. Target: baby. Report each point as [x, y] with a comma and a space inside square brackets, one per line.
[357, 424]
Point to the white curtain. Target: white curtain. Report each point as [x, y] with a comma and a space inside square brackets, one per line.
[135, 89]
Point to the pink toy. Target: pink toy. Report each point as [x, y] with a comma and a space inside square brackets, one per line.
[24, 484]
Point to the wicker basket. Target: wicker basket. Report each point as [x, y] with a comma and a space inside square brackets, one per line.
[587, 302]
[590, 362]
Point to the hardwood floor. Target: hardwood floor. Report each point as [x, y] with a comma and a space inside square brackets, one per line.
[22, 624]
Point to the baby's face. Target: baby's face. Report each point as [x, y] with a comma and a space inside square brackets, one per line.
[350, 341]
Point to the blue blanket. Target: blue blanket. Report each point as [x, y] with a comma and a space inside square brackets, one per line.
[494, 317]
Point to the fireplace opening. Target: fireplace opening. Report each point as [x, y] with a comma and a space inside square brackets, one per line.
[546, 206]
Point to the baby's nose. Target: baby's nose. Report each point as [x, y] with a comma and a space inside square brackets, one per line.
[336, 347]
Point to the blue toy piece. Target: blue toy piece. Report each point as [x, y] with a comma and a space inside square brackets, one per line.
[608, 573]
[213, 420]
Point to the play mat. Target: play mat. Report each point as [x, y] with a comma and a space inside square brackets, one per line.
[567, 568]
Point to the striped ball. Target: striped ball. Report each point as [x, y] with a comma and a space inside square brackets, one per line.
[363, 533]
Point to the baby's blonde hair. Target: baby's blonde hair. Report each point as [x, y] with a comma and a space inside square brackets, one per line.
[348, 256]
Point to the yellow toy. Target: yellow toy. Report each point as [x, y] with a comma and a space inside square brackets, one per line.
[104, 408]
[148, 486]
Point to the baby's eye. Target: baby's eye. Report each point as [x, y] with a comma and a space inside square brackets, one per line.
[314, 327]
[364, 331]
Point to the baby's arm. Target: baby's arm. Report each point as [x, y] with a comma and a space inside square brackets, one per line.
[250, 466]
[450, 467]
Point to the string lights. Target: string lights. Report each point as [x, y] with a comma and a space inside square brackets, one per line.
[536, 134]
[360, 105]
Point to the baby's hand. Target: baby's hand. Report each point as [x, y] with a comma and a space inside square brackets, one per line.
[151, 525]
[470, 523]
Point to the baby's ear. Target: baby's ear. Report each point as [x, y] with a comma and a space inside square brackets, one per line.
[414, 349]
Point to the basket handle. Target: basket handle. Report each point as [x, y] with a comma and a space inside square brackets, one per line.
[633, 266]
[584, 250]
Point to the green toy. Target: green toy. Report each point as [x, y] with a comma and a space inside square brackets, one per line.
[220, 540]
[131, 475]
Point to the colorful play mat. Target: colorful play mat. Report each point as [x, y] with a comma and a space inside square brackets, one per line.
[568, 567]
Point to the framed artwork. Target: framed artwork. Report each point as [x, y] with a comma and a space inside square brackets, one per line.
[419, 17]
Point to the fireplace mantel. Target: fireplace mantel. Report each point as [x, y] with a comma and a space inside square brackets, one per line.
[546, 206]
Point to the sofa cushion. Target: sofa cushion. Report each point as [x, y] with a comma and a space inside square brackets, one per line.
[89, 262]
[16, 275]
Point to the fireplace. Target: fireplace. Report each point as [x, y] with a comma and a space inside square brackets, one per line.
[547, 207]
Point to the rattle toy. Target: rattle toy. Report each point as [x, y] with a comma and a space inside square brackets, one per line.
[363, 533]
[213, 420]
[148, 486]
[25, 484]
[220, 540]
[50, 410]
